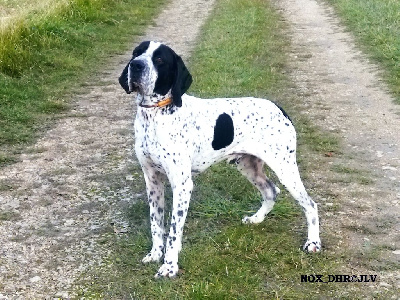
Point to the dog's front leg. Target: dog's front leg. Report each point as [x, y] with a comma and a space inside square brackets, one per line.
[182, 186]
[155, 194]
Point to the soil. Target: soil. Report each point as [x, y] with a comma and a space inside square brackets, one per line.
[69, 188]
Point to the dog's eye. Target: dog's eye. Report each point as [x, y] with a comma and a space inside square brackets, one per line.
[159, 61]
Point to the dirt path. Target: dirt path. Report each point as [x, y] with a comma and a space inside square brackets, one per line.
[342, 94]
[54, 203]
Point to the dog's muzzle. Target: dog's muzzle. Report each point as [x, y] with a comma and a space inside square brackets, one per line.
[135, 72]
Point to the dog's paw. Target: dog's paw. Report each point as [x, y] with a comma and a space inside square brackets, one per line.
[254, 219]
[312, 247]
[167, 270]
[153, 256]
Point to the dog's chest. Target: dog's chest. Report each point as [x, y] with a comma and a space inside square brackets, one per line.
[146, 127]
[155, 137]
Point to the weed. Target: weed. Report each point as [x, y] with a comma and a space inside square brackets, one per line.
[6, 185]
[8, 216]
[349, 175]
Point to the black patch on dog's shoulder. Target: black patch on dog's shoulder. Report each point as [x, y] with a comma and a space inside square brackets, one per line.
[223, 132]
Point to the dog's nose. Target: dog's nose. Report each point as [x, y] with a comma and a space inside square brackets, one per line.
[137, 65]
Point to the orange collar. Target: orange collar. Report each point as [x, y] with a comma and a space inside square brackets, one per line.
[162, 103]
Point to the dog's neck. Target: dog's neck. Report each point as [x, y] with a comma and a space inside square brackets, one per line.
[154, 100]
[154, 104]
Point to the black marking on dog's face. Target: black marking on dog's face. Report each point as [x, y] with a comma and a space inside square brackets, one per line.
[223, 132]
[172, 74]
[123, 79]
[163, 60]
[182, 81]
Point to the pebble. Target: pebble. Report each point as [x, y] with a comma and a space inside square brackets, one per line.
[62, 295]
[385, 284]
[129, 177]
[35, 279]
[69, 222]
[389, 168]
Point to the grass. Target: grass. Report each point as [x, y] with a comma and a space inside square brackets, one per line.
[241, 52]
[18, 9]
[376, 25]
[218, 69]
[349, 175]
[44, 55]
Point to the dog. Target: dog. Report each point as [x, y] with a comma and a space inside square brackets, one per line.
[177, 136]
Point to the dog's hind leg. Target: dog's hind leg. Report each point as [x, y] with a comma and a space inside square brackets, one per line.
[288, 173]
[252, 168]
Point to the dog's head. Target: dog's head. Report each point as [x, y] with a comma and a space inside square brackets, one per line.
[155, 69]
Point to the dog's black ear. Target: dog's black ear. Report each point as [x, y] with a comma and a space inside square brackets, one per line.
[181, 83]
[123, 79]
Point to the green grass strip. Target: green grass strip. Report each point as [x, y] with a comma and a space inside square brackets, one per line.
[376, 25]
[231, 59]
[45, 55]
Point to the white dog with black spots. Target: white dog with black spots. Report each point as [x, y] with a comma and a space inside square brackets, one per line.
[177, 136]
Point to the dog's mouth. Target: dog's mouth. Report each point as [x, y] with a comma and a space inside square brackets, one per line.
[133, 86]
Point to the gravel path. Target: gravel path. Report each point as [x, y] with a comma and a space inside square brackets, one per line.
[54, 203]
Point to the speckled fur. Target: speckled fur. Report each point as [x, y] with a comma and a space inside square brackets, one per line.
[175, 143]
